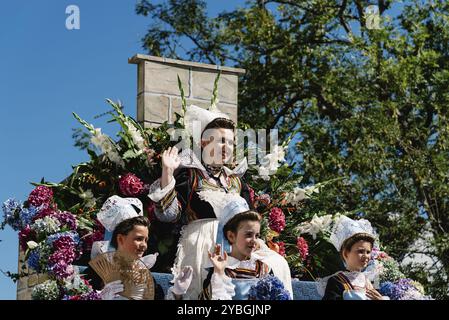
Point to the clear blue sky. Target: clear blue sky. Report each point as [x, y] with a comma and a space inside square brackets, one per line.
[46, 72]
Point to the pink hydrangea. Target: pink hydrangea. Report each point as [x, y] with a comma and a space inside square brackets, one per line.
[62, 270]
[130, 185]
[303, 248]
[276, 220]
[64, 255]
[40, 195]
[25, 235]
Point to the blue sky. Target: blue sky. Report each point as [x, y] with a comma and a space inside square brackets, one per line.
[46, 73]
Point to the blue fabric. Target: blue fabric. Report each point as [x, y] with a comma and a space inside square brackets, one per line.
[242, 287]
[302, 290]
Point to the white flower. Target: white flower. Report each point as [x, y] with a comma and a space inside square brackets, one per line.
[48, 225]
[312, 189]
[32, 245]
[264, 173]
[105, 144]
[316, 225]
[279, 152]
[296, 196]
[88, 197]
[135, 136]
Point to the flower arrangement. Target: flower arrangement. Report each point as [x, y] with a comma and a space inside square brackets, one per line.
[268, 288]
[403, 289]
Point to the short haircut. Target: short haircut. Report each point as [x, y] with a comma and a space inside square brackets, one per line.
[220, 123]
[233, 224]
[126, 226]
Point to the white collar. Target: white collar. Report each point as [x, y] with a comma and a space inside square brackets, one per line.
[190, 160]
[234, 263]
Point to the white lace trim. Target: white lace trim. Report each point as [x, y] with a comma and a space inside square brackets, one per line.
[156, 194]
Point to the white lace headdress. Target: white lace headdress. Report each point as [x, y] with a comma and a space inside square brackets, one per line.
[346, 228]
[117, 209]
[196, 119]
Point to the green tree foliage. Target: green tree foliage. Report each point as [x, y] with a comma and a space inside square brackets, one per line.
[371, 105]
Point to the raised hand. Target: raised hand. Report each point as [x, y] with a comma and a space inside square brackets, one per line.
[219, 261]
[170, 161]
[182, 282]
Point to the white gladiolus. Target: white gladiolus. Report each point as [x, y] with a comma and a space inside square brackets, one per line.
[136, 136]
[103, 142]
[316, 225]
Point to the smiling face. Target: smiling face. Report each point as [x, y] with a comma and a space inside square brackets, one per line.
[358, 256]
[134, 242]
[218, 146]
[244, 241]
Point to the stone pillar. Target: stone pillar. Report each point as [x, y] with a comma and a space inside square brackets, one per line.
[158, 96]
[25, 284]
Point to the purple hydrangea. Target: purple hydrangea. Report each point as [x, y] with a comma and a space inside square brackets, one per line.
[66, 219]
[64, 255]
[269, 288]
[93, 295]
[62, 270]
[398, 290]
[73, 236]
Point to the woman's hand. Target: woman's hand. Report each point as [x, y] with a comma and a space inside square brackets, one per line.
[373, 294]
[170, 161]
[220, 262]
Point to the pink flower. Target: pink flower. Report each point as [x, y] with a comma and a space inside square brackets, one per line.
[40, 195]
[25, 235]
[303, 247]
[251, 194]
[276, 220]
[130, 185]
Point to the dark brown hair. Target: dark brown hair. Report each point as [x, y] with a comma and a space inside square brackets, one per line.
[219, 123]
[348, 243]
[126, 226]
[233, 224]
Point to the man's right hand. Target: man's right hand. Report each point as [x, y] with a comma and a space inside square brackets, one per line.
[170, 162]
